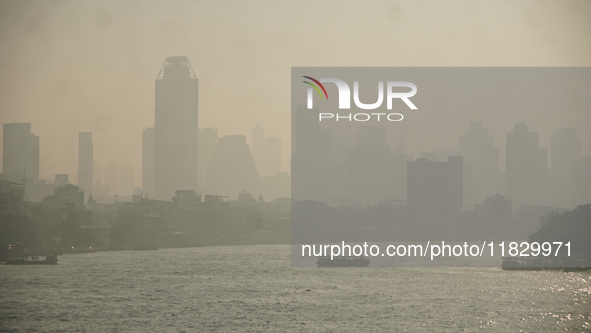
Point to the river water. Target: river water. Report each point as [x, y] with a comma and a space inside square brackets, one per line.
[254, 288]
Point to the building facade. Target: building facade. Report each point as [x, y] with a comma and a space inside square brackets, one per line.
[176, 128]
[85, 162]
[20, 152]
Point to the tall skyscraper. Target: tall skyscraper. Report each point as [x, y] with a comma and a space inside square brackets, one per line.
[310, 159]
[582, 174]
[148, 161]
[85, 163]
[20, 152]
[397, 173]
[477, 148]
[176, 128]
[526, 168]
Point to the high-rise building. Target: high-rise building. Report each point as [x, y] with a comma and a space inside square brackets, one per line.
[85, 162]
[310, 159]
[208, 143]
[12, 197]
[565, 151]
[442, 155]
[477, 148]
[232, 169]
[68, 195]
[176, 128]
[397, 173]
[582, 174]
[148, 161]
[526, 168]
[20, 152]
[435, 189]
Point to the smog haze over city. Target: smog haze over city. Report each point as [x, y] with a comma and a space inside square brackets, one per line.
[222, 166]
[90, 66]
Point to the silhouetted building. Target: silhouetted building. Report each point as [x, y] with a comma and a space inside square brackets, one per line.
[495, 206]
[186, 199]
[491, 219]
[36, 190]
[20, 152]
[176, 128]
[442, 155]
[62, 179]
[526, 167]
[148, 161]
[435, 188]
[66, 196]
[208, 143]
[12, 197]
[232, 168]
[310, 165]
[477, 148]
[565, 151]
[582, 175]
[85, 162]
[397, 169]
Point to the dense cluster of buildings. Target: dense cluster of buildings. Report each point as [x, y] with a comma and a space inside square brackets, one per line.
[180, 161]
[197, 186]
[437, 188]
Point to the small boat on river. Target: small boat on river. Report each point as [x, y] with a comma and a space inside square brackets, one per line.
[31, 259]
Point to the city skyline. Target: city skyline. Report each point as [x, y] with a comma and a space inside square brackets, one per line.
[558, 166]
[164, 165]
[61, 69]
[566, 142]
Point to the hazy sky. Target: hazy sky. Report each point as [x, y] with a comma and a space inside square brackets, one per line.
[70, 66]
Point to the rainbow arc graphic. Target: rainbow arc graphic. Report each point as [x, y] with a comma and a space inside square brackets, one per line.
[317, 86]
